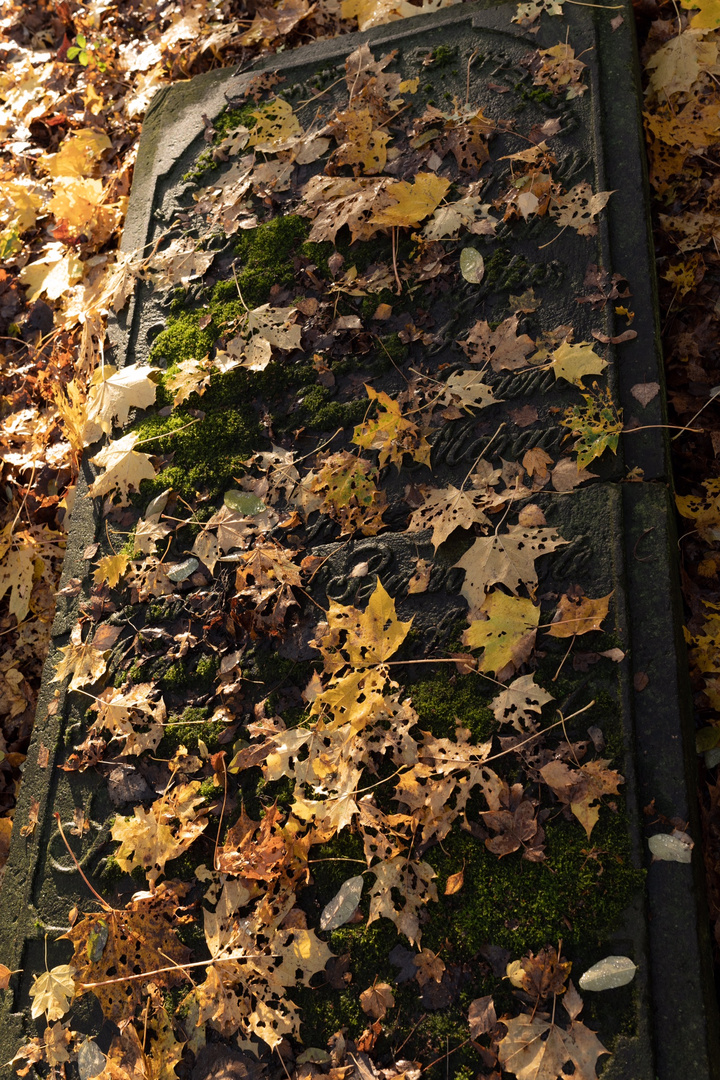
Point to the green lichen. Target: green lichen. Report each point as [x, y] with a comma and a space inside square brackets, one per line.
[538, 94]
[442, 55]
[319, 413]
[186, 729]
[225, 123]
[207, 453]
[503, 270]
[266, 257]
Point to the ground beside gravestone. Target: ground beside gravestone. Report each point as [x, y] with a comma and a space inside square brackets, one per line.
[369, 607]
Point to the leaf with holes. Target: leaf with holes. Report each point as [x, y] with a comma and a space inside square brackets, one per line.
[506, 634]
[443, 511]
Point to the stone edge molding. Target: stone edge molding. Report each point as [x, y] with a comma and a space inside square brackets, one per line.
[676, 1006]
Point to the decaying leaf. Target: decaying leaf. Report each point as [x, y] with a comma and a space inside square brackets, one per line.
[521, 703]
[125, 468]
[391, 434]
[112, 945]
[505, 558]
[82, 660]
[506, 633]
[444, 510]
[535, 1049]
[579, 208]
[376, 1000]
[503, 348]
[362, 638]
[582, 788]
[150, 838]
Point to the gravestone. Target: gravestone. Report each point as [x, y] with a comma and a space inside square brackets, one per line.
[525, 137]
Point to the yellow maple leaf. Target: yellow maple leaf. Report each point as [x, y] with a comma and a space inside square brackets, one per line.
[573, 362]
[507, 634]
[704, 510]
[190, 377]
[19, 202]
[275, 122]
[112, 394]
[413, 201]
[78, 153]
[346, 490]
[53, 275]
[132, 716]
[362, 638]
[678, 63]
[110, 569]
[413, 883]
[153, 837]
[579, 615]
[79, 202]
[708, 17]
[378, 12]
[70, 405]
[391, 433]
[125, 468]
[19, 554]
[360, 144]
[559, 70]
[85, 662]
[52, 992]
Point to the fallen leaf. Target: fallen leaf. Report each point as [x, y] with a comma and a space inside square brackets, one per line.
[377, 999]
[391, 434]
[672, 847]
[574, 362]
[608, 974]
[507, 635]
[444, 510]
[520, 703]
[83, 660]
[125, 469]
[535, 1049]
[507, 559]
[645, 392]
[481, 1016]
[52, 992]
[577, 614]
[112, 394]
[579, 208]
[337, 912]
[640, 680]
[472, 265]
[455, 883]
[152, 837]
[567, 475]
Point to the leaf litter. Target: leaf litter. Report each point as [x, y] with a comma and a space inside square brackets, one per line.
[358, 720]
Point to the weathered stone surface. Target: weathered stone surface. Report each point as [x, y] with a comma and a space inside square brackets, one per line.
[618, 527]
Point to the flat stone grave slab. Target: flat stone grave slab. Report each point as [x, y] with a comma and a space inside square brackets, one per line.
[362, 710]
